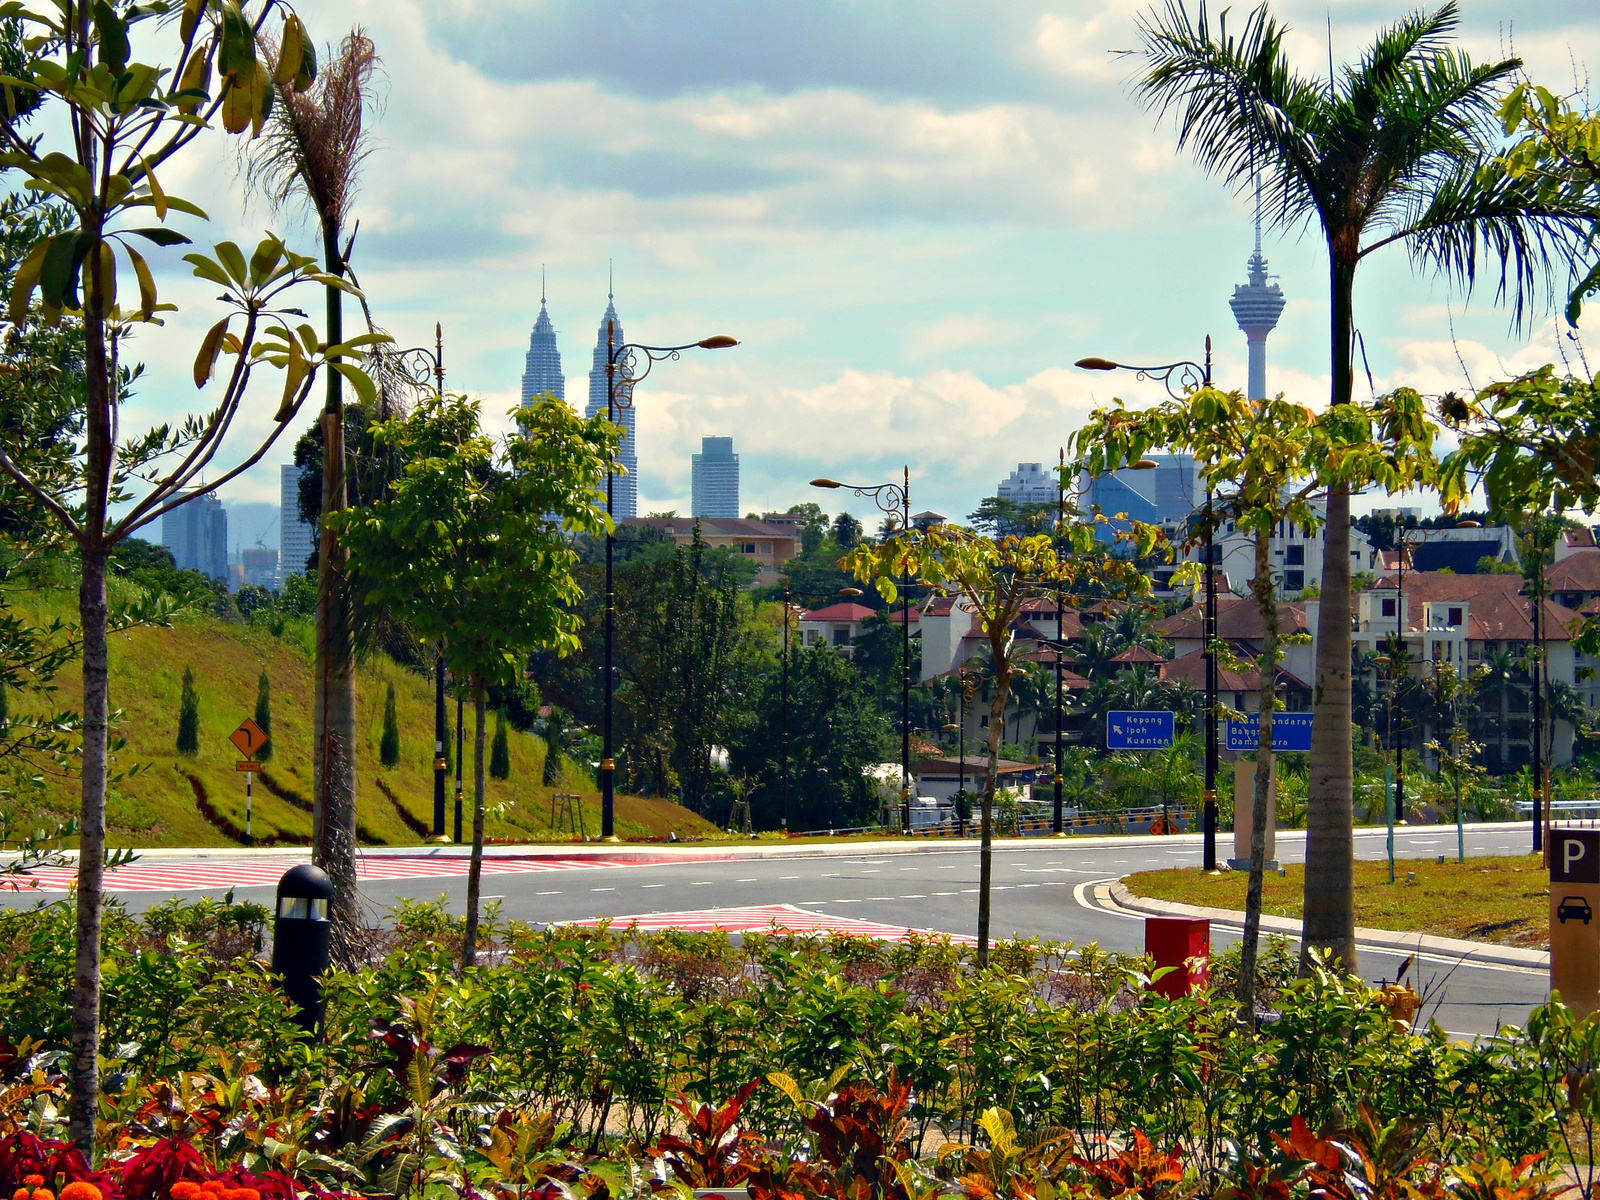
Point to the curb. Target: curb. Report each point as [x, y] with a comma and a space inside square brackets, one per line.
[1482, 954]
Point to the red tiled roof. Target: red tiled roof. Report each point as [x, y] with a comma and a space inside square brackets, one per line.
[1579, 539]
[1191, 669]
[1237, 619]
[952, 765]
[1497, 611]
[716, 527]
[840, 612]
[1577, 572]
[1137, 654]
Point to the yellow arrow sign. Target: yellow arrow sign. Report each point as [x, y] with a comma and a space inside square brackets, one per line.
[249, 737]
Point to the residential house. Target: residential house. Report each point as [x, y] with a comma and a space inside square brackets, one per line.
[1239, 624]
[941, 778]
[768, 545]
[1295, 555]
[837, 625]
[1460, 550]
[1471, 622]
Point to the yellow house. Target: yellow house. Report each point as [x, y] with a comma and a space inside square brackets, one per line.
[766, 544]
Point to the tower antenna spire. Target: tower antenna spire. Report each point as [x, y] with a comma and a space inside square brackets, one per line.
[542, 288]
[611, 278]
[1258, 213]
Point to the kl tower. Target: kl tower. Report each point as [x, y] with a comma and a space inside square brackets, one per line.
[1257, 305]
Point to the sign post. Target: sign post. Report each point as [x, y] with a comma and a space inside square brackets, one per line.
[1139, 730]
[1575, 917]
[249, 738]
[1244, 802]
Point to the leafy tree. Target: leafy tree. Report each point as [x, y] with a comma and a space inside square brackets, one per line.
[555, 739]
[264, 714]
[836, 733]
[997, 516]
[1457, 754]
[996, 578]
[389, 743]
[500, 752]
[814, 525]
[1263, 461]
[118, 122]
[846, 531]
[1397, 149]
[470, 548]
[188, 716]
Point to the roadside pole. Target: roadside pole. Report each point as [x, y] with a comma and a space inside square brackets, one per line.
[248, 738]
[1574, 923]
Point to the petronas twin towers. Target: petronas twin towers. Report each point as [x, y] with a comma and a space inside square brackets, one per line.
[542, 375]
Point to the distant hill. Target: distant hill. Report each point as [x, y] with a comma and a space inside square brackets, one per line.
[180, 801]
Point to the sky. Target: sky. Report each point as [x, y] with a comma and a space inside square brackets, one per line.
[915, 215]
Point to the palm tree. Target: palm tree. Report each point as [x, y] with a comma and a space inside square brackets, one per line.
[313, 150]
[1498, 677]
[1397, 148]
[1099, 645]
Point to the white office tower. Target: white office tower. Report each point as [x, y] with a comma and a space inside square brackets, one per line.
[296, 539]
[1030, 483]
[714, 485]
[625, 503]
[541, 373]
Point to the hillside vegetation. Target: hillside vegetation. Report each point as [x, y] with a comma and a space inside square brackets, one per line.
[178, 800]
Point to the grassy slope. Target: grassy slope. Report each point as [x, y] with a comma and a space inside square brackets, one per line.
[1505, 900]
[158, 806]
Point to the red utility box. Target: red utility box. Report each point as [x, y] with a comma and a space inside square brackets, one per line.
[1173, 942]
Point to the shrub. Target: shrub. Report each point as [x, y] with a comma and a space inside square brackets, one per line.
[389, 744]
[264, 714]
[188, 716]
[500, 752]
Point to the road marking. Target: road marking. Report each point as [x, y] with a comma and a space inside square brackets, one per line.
[752, 879]
[846, 902]
[547, 893]
[830, 875]
[651, 885]
[702, 883]
[915, 896]
[909, 868]
[946, 893]
[609, 889]
[948, 867]
[872, 872]
[880, 897]
[783, 877]
[969, 891]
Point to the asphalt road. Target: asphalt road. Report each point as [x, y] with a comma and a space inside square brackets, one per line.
[934, 886]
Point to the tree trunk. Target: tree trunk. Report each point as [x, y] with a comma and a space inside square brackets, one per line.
[1329, 921]
[99, 449]
[334, 702]
[997, 724]
[1267, 604]
[469, 941]
[91, 854]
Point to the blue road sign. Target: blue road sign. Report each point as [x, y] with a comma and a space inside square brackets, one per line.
[1139, 730]
[1290, 731]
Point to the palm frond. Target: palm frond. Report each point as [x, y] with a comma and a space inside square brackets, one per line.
[1239, 107]
[1479, 216]
[317, 139]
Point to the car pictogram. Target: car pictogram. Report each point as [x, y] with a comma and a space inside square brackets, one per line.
[1575, 907]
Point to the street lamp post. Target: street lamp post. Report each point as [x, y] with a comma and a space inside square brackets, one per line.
[894, 500]
[622, 373]
[419, 365]
[1058, 818]
[1188, 376]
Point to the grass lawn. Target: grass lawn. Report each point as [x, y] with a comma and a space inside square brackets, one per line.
[1504, 900]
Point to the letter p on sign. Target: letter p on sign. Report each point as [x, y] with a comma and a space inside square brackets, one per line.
[1576, 856]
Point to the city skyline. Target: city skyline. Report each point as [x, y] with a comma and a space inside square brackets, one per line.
[913, 236]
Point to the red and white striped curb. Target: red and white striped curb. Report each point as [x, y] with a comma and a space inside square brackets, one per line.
[180, 877]
[767, 918]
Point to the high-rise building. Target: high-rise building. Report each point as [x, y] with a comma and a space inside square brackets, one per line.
[296, 538]
[715, 484]
[625, 496]
[197, 534]
[541, 373]
[260, 566]
[1030, 483]
[1160, 495]
[1257, 305]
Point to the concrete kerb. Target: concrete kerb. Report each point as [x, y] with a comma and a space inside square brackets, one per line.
[1455, 950]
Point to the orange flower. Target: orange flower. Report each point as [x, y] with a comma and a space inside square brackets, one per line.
[33, 1181]
[244, 1193]
[43, 1193]
[81, 1190]
[184, 1189]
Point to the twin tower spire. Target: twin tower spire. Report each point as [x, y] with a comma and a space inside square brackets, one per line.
[542, 374]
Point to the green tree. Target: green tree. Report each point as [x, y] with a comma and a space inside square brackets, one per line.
[316, 139]
[264, 714]
[836, 733]
[389, 742]
[846, 531]
[500, 752]
[1396, 149]
[471, 547]
[813, 525]
[118, 121]
[188, 716]
[996, 578]
[1263, 461]
[555, 745]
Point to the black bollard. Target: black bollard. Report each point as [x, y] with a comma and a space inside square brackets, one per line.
[301, 939]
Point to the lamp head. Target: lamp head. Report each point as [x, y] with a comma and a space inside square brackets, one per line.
[720, 342]
[826, 483]
[850, 591]
[1144, 464]
[1469, 524]
[1095, 364]
[951, 728]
